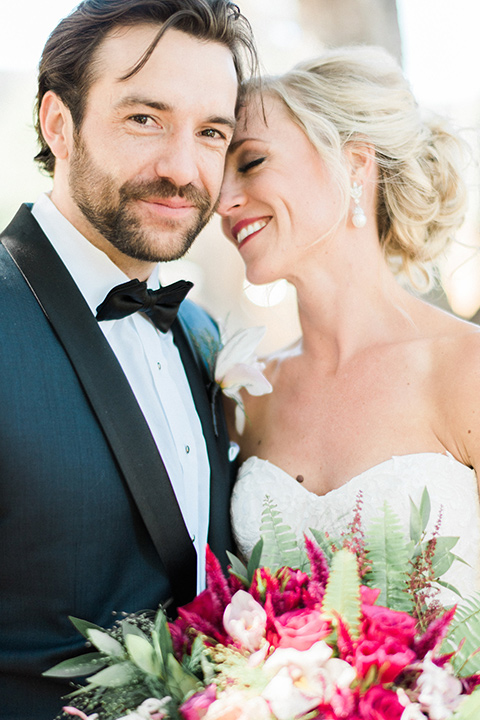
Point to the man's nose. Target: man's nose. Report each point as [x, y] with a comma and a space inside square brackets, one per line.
[178, 160]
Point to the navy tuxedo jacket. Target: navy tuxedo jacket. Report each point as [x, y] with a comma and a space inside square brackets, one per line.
[75, 539]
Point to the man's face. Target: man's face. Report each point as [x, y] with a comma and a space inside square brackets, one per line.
[147, 163]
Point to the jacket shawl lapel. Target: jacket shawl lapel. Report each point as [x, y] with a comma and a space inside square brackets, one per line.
[110, 395]
[222, 472]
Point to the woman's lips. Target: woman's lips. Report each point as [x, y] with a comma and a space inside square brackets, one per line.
[244, 229]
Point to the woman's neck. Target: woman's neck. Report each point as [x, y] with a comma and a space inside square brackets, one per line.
[345, 306]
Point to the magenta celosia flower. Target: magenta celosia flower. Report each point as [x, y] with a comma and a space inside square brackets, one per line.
[216, 581]
[300, 629]
[434, 634]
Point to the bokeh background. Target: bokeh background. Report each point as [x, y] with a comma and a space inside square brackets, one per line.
[437, 43]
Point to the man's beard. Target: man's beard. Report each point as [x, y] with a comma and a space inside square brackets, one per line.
[110, 211]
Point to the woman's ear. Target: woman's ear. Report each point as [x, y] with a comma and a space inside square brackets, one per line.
[361, 158]
[56, 124]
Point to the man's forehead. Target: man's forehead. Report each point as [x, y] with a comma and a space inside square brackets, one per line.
[124, 47]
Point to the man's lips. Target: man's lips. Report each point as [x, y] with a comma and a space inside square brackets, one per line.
[170, 207]
[245, 228]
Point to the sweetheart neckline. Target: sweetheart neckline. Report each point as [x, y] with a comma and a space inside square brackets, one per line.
[447, 456]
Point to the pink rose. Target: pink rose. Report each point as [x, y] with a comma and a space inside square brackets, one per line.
[380, 622]
[389, 657]
[196, 707]
[380, 704]
[300, 629]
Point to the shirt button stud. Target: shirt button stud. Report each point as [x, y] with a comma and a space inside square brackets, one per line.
[159, 365]
[187, 449]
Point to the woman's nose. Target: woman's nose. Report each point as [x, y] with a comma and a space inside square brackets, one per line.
[231, 196]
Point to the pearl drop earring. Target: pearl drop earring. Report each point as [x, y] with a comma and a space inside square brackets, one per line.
[359, 219]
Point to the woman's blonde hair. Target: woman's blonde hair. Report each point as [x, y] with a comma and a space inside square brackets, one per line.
[360, 94]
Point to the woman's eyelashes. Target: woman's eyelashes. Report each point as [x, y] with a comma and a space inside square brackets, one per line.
[253, 163]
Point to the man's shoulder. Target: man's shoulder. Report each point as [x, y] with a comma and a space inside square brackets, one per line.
[22, 221]
[203, 332]
[197, 319]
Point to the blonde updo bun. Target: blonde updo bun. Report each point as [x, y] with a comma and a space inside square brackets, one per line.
[356, 93]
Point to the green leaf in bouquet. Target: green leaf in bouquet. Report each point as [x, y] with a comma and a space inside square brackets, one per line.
[180, 682]
[128, 628]
[419, 517]
[342, 595]
[83, 626]
[194, 662]
[114, 676]
[388, 553]
[237, 568]
[443, 557]
[78, 666]
[469, 708]
[162, 642]
[449, 587]
[280, 546]
[142, 653]
[254, 562]
[107, 644]
[465, 628]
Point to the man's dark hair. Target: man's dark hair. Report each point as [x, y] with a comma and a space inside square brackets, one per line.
[67, 65]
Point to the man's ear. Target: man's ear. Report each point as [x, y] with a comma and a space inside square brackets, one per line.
[57, 126]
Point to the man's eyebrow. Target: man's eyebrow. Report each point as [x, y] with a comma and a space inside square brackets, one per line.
[228, 121]
[135, 101]
[235, 145]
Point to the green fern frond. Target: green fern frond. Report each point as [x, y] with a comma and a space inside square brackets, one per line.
[342, 595]
[388, 553]
[280, 546]
[465, 626]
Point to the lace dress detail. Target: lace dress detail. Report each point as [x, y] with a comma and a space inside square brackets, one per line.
[452, 487]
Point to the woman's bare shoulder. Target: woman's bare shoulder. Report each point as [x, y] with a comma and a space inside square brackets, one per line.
[456, 376]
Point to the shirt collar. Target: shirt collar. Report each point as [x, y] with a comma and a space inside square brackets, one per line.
[93, 272]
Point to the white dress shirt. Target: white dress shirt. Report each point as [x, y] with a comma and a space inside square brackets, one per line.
[153, 367]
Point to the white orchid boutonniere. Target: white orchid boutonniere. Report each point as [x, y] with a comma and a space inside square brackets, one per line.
[237, 367]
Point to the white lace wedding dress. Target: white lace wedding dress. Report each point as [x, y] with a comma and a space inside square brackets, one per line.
[451, 485]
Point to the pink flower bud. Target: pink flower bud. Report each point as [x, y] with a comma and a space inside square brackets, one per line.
[245, 621]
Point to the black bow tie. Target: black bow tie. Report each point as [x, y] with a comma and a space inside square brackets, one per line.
[160, 305]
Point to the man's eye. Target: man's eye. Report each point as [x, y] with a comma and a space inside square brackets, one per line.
[250, 165]
[141, 119]
[212, 133]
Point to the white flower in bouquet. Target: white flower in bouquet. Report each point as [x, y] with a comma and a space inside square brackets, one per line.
[237, 704]
[440, 691]
[245, 621]
[304, 679]
[237, 367]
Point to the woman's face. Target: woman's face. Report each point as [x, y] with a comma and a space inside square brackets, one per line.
[277, 198]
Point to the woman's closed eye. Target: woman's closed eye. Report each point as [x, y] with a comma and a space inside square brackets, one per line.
[253, 163]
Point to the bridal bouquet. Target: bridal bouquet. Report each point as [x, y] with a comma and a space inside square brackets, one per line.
[344, 628]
